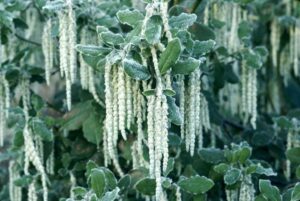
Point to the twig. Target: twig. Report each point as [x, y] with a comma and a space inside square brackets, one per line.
[195, 5]
[27, 41]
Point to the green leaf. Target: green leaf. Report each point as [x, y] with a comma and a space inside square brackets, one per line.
[245, 31]
[186, 66]
[170, 166]
[244, 154]
[196, 184]
[98, 182]
[124, 183]
[89, 167]
[92, 128]
[253, 60]
[212, 155]
[153, 29]
[135, 70]
[169, 92]
[146, 186]
[55, 5]
[149, 92]
[182, 21]
[92, 61]
[92, 50]
[169, 57]
[79, 191]
[40, 128]
[296, 192]
[270, 192]
[110, 178]
[173, 110]
[293, 155]
[111, 196]
[264, 171]
[283, 122]
[112, 38]
[74, 119]
[23, 181]
[130, 17]
[221, 168]
[232, 176]
[206, 32]
[201, 48]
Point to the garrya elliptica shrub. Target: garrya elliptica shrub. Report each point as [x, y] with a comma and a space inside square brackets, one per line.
[156, 100]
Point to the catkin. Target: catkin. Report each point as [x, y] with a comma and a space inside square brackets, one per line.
[67, 51]
[47, 48]
[122, 101]
[15, 192]
[275, 41]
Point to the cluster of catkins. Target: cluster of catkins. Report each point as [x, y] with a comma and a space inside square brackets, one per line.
[194, 110]
[246, 95]
[67, 51]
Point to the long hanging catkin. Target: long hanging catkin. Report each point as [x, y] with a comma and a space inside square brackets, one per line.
[47, 47]
[67, 51]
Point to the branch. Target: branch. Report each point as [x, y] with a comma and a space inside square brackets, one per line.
[195, 5]
[27, 41]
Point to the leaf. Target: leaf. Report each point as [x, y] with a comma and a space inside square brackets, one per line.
[221, 168]
[135, 70]
[153, 29]
[74, 119]
[55, 5]
[124, 183]
[169, 57]
[245, 31]
[92, 128]
[270, 192]
[39, 128]
[111, 196]
[149, 92]
[201, 48]
[110, 178]
[293, 155]
[79, 191]
[173, 111]
[244, 154]
[23, 181]
[112, 38]
[252, 59]
[130, 17]
[169, 92]
[182, 21]
[89, 167]
[186, 66]
[170, 166]
[98, 182]
[206, 32]
[264, 171]
[232, 176]
[296, 192]
[92, 50]
[92, 61]
[212, 155]
[283, 122]
[146, 186]
[196, 184]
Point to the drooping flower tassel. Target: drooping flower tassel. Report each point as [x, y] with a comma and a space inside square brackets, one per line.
[67, 51]
[47, 47]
